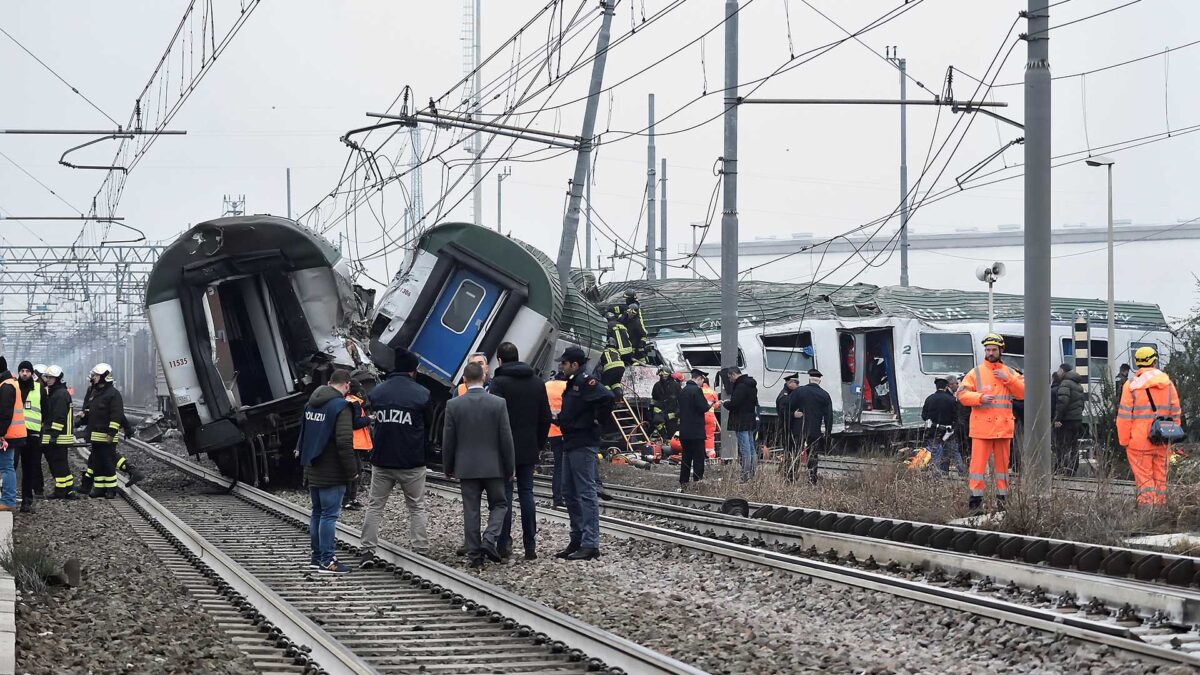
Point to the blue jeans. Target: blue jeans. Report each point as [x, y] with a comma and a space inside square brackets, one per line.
[528, 510]
[556, 477]
[579, 490]
[8, 477]
[942, 452]
[322, 528]
[745, 441]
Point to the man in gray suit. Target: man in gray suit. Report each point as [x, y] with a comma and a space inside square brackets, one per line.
[477, 448]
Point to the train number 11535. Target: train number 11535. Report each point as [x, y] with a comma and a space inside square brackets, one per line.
[177, 363]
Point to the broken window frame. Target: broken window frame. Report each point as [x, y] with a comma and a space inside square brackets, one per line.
[803, 340]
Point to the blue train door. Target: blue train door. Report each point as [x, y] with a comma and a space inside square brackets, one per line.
[457, 318]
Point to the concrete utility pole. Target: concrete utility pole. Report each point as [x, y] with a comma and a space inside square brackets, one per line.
[729, 217]
[500, 176]
[477, 112]
[902, 64]
[587, 230]
[651, 183]
[662, 228]
[1035, 467]
[570, 233]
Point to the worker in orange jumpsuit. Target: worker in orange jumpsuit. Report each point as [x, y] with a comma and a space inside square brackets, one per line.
[989, 390]
[1144, 397]
[710, 420]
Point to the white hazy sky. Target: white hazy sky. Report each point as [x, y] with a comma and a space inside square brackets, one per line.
[303, 72]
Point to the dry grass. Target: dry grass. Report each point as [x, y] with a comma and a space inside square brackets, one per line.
[890, 490]
[30, 567]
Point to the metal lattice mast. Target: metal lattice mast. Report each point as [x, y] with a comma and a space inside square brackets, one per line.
[471, 85]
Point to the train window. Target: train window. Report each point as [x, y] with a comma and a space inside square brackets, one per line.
[788, 352]
[1097, 356]
[1014, 351]
[463, 306]
[707, 356]
[947, 352]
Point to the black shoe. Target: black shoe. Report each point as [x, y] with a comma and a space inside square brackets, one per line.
[462, 550]
[27, 506]
[571, 548]
[135, 476]
[476, 564]
[110, 493]
[975, 506]
[366, 560]
[1000, 506]
[602, 494]
[96, 493]
[85, 485]
[489, 550]
[70, 495]
[353, 506]
[506, 550]
[531, 555]
[585, 554]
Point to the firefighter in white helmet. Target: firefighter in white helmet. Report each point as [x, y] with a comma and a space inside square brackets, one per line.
[57, 432]
[104, 415]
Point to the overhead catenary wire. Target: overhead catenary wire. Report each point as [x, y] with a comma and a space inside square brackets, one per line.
[60, 78]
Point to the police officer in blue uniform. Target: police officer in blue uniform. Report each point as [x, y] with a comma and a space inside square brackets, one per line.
[584, 401]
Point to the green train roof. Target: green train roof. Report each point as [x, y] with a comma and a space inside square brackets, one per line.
[694, 305]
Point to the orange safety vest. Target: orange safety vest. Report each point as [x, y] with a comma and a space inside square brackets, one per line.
[710, 419]
[995, 419]
[16, 428]
[1135, 415]
[554, 392]
[362, 437]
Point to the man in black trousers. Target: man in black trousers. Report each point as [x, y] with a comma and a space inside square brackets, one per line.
[692, 406]
[477, 448]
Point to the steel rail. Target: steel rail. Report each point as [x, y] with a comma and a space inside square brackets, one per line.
[606, 649]
[1048, 620]
[323, 649]
[848, 464]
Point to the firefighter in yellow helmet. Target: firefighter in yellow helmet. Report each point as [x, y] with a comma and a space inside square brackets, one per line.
[1147, 396]
[989, 390]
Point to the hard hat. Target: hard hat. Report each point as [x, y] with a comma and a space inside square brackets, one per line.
[102, 369]
[39, 368]
[53, 371]
[1145, 356]
[993, 339]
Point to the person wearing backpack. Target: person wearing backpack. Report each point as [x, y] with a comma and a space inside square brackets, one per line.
[1148, 421]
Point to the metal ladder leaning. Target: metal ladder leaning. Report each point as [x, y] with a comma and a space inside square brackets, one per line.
[631, 427]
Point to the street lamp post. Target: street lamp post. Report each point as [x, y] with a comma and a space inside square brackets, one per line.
[1101, 160]
[989, 274]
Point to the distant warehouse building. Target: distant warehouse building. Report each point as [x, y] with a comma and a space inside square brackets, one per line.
[1153, 262]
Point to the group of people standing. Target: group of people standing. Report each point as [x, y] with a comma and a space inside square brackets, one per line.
[492, 435]
[37, 420]
[807, 413]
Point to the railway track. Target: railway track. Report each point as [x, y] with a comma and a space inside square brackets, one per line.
[408, 614]
[1155, 619]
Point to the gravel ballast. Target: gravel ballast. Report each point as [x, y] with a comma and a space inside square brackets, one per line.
[130, 615]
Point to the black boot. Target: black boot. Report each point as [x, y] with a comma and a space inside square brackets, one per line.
[110, 493]
[85, 484]
[571, 548]
[70, 494]
[975, 506]
[135, 476]
[1000, 503]
[585, 554]
[96, 492]
[27, 506]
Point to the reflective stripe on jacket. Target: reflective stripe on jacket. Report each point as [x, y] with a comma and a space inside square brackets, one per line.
[994, 419]
[16, 428]
[554, 392]
[1135, 414]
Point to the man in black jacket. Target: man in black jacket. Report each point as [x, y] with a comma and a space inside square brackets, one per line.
[57, 419]
[33, 394]
[584, 400]
[326, 447]
[105, 416]
[812, 410]
[692, 406]
[12, 428]
[743, 417]
[1068, 419]
[783, 410]
[402, 415]
[941, 411]
[529, 420]
[664, 404]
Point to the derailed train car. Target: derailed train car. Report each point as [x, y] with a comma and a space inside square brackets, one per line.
[465, 289]
[249, 315]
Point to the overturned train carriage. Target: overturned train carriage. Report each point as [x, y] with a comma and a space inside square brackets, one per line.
[466, 289]
[249, 315]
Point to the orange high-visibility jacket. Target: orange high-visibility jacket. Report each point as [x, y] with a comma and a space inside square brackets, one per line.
[16, 428]
[995, 419]
[554, 392]
[1135, 415]
[362, 437]
[710, 417]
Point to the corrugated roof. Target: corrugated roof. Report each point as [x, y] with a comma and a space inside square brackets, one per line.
[694, 305]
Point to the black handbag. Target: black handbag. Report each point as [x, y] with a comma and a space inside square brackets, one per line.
[1164, 430]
